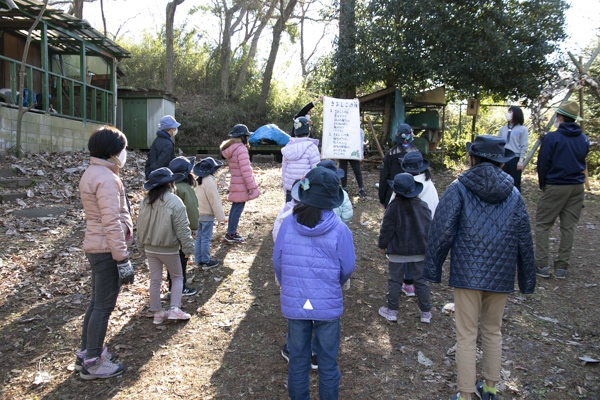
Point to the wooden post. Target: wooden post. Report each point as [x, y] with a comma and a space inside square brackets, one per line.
[375, 137]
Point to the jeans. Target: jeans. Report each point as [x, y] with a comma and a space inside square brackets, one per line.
[203, 238]
[234, 217]
[510, 167]
[327, 344]
[395, 285]
[105, 290]
[355, 164]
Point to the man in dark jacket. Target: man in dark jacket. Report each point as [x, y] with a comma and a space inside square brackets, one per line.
[482, 218]
[162, 150]
[561, 165]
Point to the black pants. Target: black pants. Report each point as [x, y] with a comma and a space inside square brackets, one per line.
[184, 261]
[355, 164]
[510, 167]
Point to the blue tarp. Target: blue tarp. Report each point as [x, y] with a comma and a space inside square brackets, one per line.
[270, 132]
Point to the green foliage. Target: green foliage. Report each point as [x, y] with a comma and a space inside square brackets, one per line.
[591, 124]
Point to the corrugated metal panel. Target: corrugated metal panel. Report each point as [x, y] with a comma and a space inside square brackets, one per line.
[157, 108]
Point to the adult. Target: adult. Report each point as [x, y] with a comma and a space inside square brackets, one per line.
[162, 150]
[392, 162]
[306, 112]
[561, 165]
[516, 136]
[108, 232]
[355, 164]
[482, 218]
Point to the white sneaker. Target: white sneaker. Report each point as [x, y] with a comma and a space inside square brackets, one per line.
[100, 368]
[176, 313]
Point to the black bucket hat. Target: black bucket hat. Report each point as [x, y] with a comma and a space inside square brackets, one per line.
[413, 162]
[206, 166]
[404, 184]
[160, 177]
[239, 130]
[491, 148]
[320, 188]
[182, 165]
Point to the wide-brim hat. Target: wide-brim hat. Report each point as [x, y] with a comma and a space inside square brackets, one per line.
[168, 122]
[330, 165]
[491, 148]
[206, 166]
[182, 165]
[414, 162]
[240, 130]
[405, 185]
[570, 109]
[160, 177]
[320, 188]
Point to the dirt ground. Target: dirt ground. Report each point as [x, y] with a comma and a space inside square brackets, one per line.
[231, 346]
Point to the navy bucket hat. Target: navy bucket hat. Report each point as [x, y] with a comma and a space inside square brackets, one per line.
[182, 165]
[405, 185]
[160, 177]
[330, 165]
[320, 188]
[206, 167]
[491, 148]
[239, 130]
[413, 162]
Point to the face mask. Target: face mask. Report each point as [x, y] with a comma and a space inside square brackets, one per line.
[175, 133]
[509, 116]
[122, 157]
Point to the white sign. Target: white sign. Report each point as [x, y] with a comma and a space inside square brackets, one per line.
[341, 129]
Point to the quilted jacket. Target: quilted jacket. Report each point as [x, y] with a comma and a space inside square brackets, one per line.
[482, 218]
[242, 178]
[311, 265]
[300, 155]
[161, 152]
[108, 223]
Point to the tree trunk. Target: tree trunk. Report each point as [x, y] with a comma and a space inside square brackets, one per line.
[241, 79]
[346, 50]
[103, 16]
[228, 29]
[22, 69]
[76, 9]
[169, 68]
[268, 74]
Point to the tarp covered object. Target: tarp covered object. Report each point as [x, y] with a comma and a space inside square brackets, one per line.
[270, 132]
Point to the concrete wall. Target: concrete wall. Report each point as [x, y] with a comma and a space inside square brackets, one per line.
[44, 132]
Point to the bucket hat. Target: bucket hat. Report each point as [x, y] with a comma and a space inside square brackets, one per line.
[320, 188]
[570, 109]
[168, 122]
[182, 165]
[160, 177]
[330, 165]
[404, 135]
[239, 130]
[301, 126]
[491, 148]
[413, 162]
[206, 166]
[405, 185]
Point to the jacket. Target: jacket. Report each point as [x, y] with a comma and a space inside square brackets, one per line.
[519, 139]
[300, 155]
[186, 193]
[392, 166]
[242, 179]
[482, 218]
[561, 159]
[209, 201]
[405, 227]
[109, 228]
[161, 152]
[163, 227]
[345, 211]
[311, 265]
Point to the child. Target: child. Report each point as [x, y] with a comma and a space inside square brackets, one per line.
[313, 257]
[300, 155]
[163, 228]
[242, 186]
[345, 211]
[402, 237]
[184, 188]
[209, 206]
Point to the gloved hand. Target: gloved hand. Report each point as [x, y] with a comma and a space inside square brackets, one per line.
[125, 272]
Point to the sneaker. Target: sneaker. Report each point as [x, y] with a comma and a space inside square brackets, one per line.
[483, 395]
[188, 291]
[235, 238]
[176, 314]
[285, 352]
[560, 273]
[426, 317]
[390, 315]
[100, 368]
[408, 290]
[362, 193]
[211, 264]
[543, 272]
[81, 356]
[160, 317]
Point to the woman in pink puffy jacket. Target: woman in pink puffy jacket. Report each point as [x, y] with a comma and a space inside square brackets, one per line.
[242, 186]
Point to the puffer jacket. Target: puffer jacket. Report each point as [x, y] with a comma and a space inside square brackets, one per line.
[163, 226]
[161, 152]
[483, 219]
[300, 155]
[242, 178]
[311, 265]
[108, 223]
[345, 211]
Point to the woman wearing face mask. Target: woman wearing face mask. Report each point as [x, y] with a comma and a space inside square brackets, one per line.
[108, 232]
[516, 136]
[162, 150]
